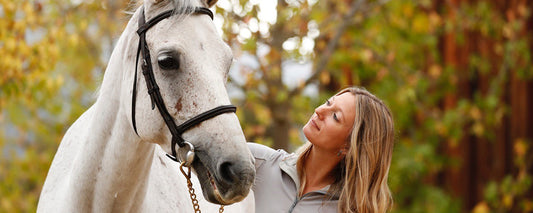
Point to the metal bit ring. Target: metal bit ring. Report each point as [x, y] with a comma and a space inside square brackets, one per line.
[186, 153]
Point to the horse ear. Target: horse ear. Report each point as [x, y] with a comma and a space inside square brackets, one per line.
[210, 3]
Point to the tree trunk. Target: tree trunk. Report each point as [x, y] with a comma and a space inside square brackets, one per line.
[280, 126]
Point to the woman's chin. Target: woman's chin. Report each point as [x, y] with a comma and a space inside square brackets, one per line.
[307, 130]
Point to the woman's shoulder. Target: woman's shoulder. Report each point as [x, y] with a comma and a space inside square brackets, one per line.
[260, 151]
[263, 154]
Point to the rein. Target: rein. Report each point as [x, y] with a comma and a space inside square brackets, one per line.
[157, 99]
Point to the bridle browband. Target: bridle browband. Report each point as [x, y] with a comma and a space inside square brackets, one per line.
[153, 89]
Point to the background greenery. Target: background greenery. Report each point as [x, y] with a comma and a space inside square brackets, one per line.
[446, 69]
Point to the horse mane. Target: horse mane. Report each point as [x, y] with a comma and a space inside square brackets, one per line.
[183, 6]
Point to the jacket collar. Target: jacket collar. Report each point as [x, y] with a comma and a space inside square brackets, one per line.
[288, 165]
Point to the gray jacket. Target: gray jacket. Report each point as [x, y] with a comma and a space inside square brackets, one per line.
[276, 185]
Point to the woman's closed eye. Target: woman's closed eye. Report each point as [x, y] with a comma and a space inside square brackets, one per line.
[328, 103]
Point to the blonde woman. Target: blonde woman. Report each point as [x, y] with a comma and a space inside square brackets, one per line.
[343, 168]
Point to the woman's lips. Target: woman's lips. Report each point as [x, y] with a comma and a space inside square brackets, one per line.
[314, 124]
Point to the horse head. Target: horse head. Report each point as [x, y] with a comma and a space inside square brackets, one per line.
[190, 64]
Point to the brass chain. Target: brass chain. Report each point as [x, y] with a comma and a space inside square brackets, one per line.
[187, 175]
[194, 201]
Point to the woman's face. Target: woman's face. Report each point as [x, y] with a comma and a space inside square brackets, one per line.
[332, 123]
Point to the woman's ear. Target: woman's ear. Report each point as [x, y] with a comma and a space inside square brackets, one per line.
[210, 3]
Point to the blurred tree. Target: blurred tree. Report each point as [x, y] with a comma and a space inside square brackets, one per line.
[52, 56]
[456, 74]
[273, 39]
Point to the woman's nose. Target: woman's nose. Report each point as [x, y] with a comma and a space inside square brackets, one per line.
[320, 111]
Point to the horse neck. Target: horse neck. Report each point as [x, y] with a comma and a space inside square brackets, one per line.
[111, 171]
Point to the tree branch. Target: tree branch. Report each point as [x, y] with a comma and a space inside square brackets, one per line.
[357, 6]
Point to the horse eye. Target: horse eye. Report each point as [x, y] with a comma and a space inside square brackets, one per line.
[167, 62]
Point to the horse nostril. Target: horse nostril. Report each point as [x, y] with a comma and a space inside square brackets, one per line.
[227, 171]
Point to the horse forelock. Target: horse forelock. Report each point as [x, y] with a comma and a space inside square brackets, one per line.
[179, 6]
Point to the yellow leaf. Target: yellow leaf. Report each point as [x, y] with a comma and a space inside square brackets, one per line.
[408, 10]
[19, 26]
[478, 129]
[441, 128]
[10, 45]
[31, 19]
[83, 25]
[6, 204]
[522, 10]
[508, 200]
[73, 40]
[528, 206]
[475, 113]
[49, 84]
[27, 8]
[435, 71]
[434, 19]
[366, 55]
[508, 31]
[481, 207]
[54, 51]
[520, 147]
[9, 6]
[421, 24]
[59, 81]
[324, 78]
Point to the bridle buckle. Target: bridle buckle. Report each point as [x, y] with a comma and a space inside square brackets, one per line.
[186, 153]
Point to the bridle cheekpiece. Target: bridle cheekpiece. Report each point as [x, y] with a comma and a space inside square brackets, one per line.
[155, 94]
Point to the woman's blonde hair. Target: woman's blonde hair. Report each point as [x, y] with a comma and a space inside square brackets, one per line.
[361, 178]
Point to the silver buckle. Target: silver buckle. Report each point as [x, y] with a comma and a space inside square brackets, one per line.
[186, 153]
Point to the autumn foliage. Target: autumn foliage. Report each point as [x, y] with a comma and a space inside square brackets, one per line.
[458, 76]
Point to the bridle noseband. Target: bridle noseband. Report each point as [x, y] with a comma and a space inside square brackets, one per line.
[155, 94]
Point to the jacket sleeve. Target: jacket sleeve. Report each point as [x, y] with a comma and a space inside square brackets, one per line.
[262, 153]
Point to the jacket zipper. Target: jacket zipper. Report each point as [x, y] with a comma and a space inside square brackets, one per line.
[298, 199]
[294, 204]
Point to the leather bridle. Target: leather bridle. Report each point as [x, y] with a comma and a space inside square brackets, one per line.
[155, 94]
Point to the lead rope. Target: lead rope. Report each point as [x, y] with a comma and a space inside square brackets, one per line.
[194, 201]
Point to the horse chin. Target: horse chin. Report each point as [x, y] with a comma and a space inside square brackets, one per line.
[211, 188]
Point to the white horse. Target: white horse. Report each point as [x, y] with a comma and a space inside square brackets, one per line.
[103, 165]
